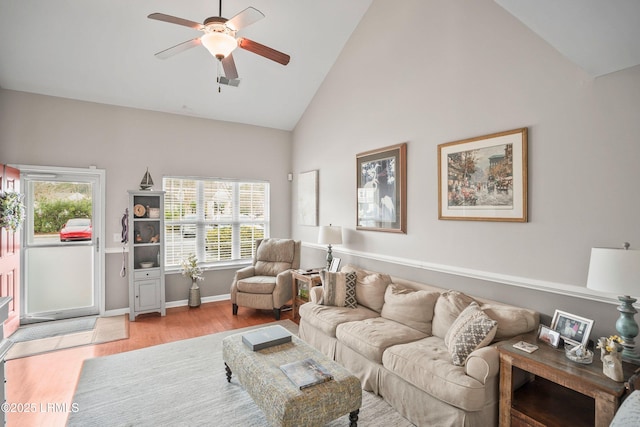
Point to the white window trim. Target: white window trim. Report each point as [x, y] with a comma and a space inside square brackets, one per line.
[235, 222]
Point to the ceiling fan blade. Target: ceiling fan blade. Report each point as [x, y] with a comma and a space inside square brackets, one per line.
[174, 50]
[229, 67]
[262, 50]
[245, 18]
[175, 20]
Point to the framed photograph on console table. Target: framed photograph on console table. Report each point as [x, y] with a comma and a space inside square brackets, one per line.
[382, 189]
[573, 329]
[484, 178]
[549, 336]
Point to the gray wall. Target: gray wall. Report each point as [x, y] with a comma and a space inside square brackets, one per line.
[445, 71]
[42, 130]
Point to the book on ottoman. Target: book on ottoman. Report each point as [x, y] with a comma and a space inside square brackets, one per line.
[266, 337]
[305, 373]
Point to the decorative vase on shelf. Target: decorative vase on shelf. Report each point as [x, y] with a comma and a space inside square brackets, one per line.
[611, 356]
[194, 295]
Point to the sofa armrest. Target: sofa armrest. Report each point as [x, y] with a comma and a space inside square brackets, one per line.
[483, 364]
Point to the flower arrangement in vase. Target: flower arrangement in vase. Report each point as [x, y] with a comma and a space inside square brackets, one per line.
[190, 269]
[611, 356]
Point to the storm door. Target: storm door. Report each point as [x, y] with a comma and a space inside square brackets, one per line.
[63, 259]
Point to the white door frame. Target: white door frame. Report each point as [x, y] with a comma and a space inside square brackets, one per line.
[29, 172]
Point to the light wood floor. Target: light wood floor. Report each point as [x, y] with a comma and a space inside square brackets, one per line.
[47, 382]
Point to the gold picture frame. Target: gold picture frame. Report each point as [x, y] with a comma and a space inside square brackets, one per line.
[484, 178]
[381, 198]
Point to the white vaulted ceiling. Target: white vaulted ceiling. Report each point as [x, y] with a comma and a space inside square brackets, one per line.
[103, 51]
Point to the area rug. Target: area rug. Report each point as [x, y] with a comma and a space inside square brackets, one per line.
[53, 329]
[183, 384]
[61, 336]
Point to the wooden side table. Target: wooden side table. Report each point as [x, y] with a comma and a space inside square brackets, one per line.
[308, 281]
[560, 392]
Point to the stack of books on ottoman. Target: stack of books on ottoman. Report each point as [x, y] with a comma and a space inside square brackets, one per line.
[266, 337]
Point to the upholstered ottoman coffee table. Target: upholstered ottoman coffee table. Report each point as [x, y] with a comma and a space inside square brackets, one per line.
[282, 402]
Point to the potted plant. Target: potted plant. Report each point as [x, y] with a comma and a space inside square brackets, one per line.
[190, 269]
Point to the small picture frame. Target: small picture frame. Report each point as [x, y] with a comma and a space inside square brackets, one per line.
[573, 329]
[335, 265]
[549, 336]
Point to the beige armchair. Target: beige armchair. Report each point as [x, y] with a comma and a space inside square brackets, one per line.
[266, 285]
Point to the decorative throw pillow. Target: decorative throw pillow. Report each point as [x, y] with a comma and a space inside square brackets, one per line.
[411, 307]
[338, 289]
[448, 307]
[512, 321]
[472, 330]
[370, 287]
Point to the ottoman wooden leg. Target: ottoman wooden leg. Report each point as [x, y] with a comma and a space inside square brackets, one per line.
[226, 368]
[353, 418]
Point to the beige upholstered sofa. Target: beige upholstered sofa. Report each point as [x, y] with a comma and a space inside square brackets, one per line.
[397, 342]
[266, 284]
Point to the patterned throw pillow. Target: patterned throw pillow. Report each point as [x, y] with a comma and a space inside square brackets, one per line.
[338, 289]
[472, 330]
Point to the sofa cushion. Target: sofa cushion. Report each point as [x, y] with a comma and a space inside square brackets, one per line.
[327, 318]
[448, 307]
[257, 284]
[511, 320]
[472, 329]
[338, 289]
[409, 307]
[370, 287]
[371, 337]
[426, 364]
[274, 256]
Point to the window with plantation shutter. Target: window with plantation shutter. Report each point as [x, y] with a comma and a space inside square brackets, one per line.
[218, 220]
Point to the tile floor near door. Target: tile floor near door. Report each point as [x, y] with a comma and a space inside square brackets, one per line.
[46, 383]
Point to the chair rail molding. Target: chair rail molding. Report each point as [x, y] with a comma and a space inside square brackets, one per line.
[521, 282]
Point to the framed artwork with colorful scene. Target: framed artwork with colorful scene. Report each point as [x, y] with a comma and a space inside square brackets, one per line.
[484, 178]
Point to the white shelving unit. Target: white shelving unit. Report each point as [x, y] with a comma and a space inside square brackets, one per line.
[146, 253]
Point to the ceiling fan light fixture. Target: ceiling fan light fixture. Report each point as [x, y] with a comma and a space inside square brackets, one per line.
[219, 44]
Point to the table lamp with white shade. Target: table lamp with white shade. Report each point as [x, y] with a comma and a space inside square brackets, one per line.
[330, 235]
[617, 271]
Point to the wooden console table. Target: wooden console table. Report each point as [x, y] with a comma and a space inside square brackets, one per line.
[559, 392]
[308, 281]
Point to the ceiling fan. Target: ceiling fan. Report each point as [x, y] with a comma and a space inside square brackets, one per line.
[220, 38]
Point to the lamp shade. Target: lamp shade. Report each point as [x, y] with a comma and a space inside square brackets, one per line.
[219, 44]
[330, 235]
[616, 271]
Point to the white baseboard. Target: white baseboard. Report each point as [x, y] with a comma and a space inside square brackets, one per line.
[170, 304]
[184, 302]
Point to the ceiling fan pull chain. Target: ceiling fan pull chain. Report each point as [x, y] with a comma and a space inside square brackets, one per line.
[218, 70]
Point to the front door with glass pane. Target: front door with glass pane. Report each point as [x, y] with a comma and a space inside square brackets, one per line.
[62, 266]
